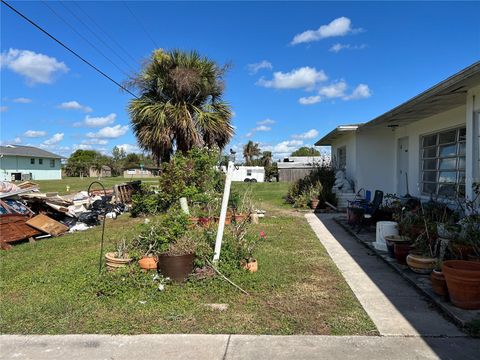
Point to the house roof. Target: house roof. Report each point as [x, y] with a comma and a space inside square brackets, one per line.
[446, 95]
[27, 151]
[336, 133]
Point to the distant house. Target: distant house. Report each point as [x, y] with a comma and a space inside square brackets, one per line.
[105, 172]
[297, 167]
[28, 163]
[141, 172]
[426, 146]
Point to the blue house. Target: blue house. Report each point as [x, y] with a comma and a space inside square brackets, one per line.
[28, 163]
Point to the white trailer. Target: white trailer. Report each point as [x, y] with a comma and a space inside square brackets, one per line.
[247, 173]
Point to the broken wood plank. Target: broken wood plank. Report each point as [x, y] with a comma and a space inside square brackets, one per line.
[48, 225]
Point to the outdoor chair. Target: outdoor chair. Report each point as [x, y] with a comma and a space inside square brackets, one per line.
[371, 211]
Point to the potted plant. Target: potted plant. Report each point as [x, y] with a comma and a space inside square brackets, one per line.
[439, 284]
[422, 257]
[463, 282]
[245, 208]
[391, 240]
[249, 262]
[119, 258]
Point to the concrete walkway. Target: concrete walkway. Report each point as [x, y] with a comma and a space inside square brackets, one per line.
[395, 307]
[235, 347]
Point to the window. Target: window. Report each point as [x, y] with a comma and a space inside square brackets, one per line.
[40, 161]
[342, 157]
[249, 172]
[52, 162]
[443, 163]
[32, 161]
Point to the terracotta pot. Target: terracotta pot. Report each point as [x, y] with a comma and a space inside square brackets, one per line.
[240, 217]
[228, 219]
[390, 240]
[251, 266]
[176, 267]
[314, 203]
[113, 262]
[148, 263]
[421, 264]
[439, 284]
[401, 251]
[463, 282]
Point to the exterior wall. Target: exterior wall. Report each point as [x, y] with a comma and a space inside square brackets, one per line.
[19, 164]
[375, 154]
[472, 118]
[349, 140]
[443, 121]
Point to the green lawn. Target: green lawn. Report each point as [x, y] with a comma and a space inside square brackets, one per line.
[52, 287]
[76, 184]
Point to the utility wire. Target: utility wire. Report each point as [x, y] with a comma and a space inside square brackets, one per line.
[83, 37]
[141, 25]
[66, 47]
[95, 34]
[106, 33]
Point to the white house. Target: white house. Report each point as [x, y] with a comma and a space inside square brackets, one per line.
[432, 140]
[27, 162]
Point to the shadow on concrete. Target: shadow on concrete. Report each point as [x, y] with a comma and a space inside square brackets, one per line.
[440, 334]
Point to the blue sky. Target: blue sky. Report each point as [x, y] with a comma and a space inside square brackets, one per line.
[299, 69]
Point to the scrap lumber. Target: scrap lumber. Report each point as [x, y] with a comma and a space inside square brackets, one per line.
[47, 225]
[13, 227]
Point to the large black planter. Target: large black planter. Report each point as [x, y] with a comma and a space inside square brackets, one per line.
[176, 267]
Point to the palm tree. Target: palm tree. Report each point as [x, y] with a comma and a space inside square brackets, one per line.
[266, 158]
[180, 104]
[250, 150]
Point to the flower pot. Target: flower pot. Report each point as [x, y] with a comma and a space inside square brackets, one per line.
[113, 262]
[176, 267]
[228, 219]
[463, 283]
[240, 217]
[314, 203]
[251, 266]
[391, 240]
[421, 264]
[401, 251]
[148, 263]
[439, 284]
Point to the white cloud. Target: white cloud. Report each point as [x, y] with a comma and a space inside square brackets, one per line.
[74, 105]
[262, 128]
[309, 100]
[334, 90]
[362, 91]
[109, 132]
[35, 67]
[82, 147]
[97, 121]
[22, 100]
[17, 140]
[338, 27]
[95, 141]
[338, 47]
[254, 68]
[55, 139]
[35, 133]
[130, 148]
[304, 77]
[266, 122]
[3, 108]
[310, 134]
[284, 148]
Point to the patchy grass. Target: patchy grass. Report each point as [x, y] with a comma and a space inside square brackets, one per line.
[53, 287]
[76, 184]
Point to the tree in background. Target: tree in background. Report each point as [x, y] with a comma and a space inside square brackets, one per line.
[306, 151]
[250, 151]
[79, 162]
[180, 104]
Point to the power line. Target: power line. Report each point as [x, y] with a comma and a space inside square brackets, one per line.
[106, 33]
[141, 25]
[66, 47]
[83, 37]
[94, 34]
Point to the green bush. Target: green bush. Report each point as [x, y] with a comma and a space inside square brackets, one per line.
[317, 184]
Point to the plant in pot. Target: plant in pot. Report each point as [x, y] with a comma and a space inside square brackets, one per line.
[145, 244]
[421, 258]
[313, 193]
[391, 205]
[245, 207]
[119, 258]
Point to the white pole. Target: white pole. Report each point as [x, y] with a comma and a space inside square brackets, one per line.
[223, 212]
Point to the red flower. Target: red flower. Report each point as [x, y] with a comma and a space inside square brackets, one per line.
[262, 234]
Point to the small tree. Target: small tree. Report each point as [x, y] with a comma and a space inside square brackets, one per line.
[306, 151]
[250, 150]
